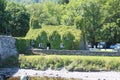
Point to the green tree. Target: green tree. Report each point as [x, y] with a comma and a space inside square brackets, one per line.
[111, 32]
[54, 12]
[63, 1]
[111, 28]
[39, 14]
[93, 20]
[34, 23]
[2, 16]
[19, 19]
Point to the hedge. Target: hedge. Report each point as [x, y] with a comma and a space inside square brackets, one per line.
[22, 44]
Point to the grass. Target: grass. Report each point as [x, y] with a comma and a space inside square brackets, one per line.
[70, 62]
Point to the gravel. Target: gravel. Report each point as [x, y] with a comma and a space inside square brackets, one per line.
[111, 75]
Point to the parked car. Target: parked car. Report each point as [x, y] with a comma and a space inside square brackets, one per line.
[89, 45]
[101, 45]
[112, 46]
[117, 47]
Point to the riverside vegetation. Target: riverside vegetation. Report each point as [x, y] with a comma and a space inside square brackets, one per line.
[70, 62]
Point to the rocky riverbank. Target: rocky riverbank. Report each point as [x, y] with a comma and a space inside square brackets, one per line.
[15, 72]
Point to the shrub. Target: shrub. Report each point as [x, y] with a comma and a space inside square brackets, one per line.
[22, 44]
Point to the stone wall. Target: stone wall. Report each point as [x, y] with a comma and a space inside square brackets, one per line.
[75, 52]
[7, 46]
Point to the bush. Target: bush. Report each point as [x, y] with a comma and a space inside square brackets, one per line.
[22, 44]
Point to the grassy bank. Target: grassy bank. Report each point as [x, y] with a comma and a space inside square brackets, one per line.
[71, 63]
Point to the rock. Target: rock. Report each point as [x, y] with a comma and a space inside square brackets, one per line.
[7, 46]
[24, 77]
[1, 78]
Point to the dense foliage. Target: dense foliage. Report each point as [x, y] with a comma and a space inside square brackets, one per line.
[22, 45]
[55, 40]
[18, 19]
[71, 63]
[41, 39]
[2, 16]
[14, 19]
[94, 18]
[55, 35]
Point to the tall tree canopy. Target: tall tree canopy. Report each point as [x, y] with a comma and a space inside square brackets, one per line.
[19, 19]
[93, 17]
[2, 16]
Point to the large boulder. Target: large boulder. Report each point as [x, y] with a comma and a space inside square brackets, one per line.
[7, 46]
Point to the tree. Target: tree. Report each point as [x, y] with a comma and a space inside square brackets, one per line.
[2, 15]
[63, 1]
[54, 12]
[111, 28]
[93, 20]
[111, 32]
[38, 13]
[19, 19]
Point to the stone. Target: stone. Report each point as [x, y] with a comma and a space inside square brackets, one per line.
[1, 78]
[7, 46]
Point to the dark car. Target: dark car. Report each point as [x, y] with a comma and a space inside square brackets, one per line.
[117, 47]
